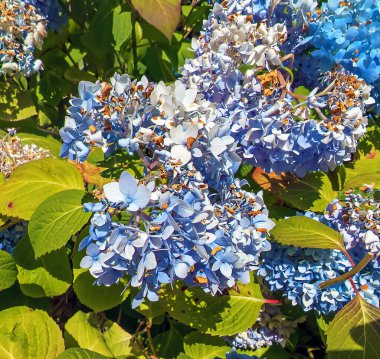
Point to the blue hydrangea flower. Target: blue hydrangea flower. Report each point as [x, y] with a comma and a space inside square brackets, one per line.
[357, 218]
[298, 272]
[182, 234]
[51, 11]
[23, 29]
[239, 66]
[271, 327]
[344, 33]
[11, 236]
[127, 193]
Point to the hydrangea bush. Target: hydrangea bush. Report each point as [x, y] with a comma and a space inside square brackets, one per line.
[202, 184]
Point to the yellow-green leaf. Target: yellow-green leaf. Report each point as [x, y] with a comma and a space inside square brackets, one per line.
[56, 219]
[301, 231]
[15, 104]
[30, 184]
[94, 332]
[354, 333]
[216, 315]
[25, 333]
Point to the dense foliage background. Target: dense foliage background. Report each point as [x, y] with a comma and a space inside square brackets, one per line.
[50, 306]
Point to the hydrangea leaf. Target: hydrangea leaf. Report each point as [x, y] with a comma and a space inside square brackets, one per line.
[15, 104]
[370, 142]
[355, 332]
[169, 10]
[199, 345]
[13, 297]
[46, 277]
[30, 184]
[97, 298]
[80, 353]
[365, 170]
[169, 344]
[91, 331]
[312, 192]
[25, 333]
[2, 178]
[217, 315]
[150, 310]
[121, 26]
[8, 270]
[338, 178]
[46, 142]
[301, 231]
[56, 219]
[101, 43]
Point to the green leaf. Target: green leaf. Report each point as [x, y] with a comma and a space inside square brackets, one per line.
[121, 26]
[98, 298]
[202, 346]
[338, 178]
[25, 333]
[323, 324]
[13, 296]
[47, 143]
[96, 333]
[150, 309]
[80, 353]
[30, 184]
[52, 88]
[8, 270]
[301, 231]
[15, 104]
[217, 315]
[46, 277]
[363, 171]
[56, 219]
[370, 141]
[355, 332]
[75, 75]
[99, 38]
[169, 344]
[312, 192]
[169, 14]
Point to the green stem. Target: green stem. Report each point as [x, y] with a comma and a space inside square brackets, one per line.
[150, 340]
[365, 260]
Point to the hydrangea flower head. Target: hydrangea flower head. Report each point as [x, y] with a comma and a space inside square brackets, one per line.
[22, 29]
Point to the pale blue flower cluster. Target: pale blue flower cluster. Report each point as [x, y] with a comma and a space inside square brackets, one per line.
[22, 30]
[170, 124]
[357, 218]
[243, 65]
[175, 231]
[298, 273]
